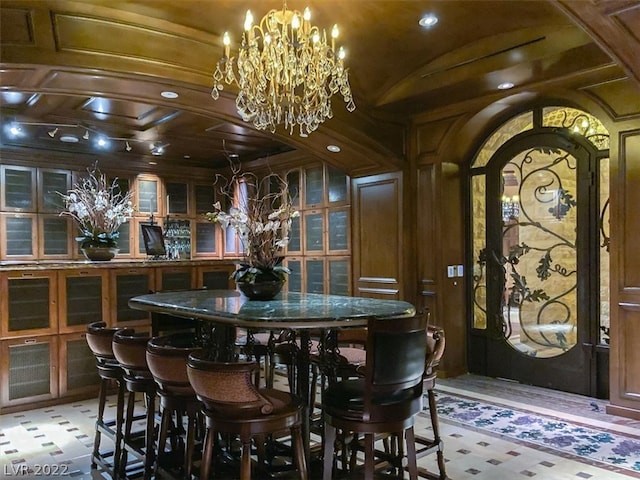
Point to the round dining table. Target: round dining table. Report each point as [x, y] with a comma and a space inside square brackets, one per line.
[300, 313]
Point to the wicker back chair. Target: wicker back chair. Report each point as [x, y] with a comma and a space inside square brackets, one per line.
[233, 405]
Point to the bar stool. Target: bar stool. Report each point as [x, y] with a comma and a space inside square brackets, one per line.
[167, 361]
[99, 339]
[234, 406]
[435, 350]
[130, 350]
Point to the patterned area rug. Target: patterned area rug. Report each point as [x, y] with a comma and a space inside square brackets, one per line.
[615, 449]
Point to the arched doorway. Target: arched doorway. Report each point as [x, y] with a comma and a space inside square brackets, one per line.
[539, 193]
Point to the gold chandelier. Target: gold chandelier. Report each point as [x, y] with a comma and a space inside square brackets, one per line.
[286, 72]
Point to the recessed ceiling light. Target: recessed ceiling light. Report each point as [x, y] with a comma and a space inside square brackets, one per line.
[153, 163]
[169, 94]
[505, 86]
[187, 157]
[66, 138]
[428, 21]
[333, 148]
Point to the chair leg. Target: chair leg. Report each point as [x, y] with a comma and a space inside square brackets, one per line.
[433, 412]
[411, 453]
[190, 446]
[207, 453]
[165, 418]
[149, 435]
[102, 400]
[369, 453]
[329, 443]
[245, 462]
[117, 452]
[126, 434]
[298, 447]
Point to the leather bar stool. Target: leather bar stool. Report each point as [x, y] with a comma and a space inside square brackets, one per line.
[386, 399]
[130, 349]
[167, 360]
[99, 339]
[234, 406]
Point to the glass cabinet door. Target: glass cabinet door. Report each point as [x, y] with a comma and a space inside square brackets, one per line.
[51, 183]
[314, 269]
[18, 188]
[55, 238]
[337, 186]
[18, 236]
[177, 202]
[314, 231]
[204, 198]
[148, 193]
[313, 187]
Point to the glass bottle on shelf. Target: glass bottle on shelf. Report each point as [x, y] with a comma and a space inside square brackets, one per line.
[178, 239]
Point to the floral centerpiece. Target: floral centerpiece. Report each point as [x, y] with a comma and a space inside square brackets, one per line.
[260, 212]
[99, 207]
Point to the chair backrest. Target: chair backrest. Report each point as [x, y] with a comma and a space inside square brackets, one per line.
[435, 350]
[167, 360]
[396, 352]
[226, 388]
[130, 349]
[99, 338]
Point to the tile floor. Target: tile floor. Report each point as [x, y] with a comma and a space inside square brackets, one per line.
[57, 441]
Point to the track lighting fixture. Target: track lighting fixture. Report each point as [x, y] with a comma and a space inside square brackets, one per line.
[65, 133]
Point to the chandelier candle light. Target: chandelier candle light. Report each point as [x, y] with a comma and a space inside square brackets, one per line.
[286, 72]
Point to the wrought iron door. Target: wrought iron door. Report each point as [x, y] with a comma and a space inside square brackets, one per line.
[542, 246]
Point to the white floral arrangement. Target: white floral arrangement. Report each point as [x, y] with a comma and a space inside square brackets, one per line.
[99, 208]
[261, 219]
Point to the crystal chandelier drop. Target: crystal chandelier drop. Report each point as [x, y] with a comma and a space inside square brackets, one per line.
[286, 72]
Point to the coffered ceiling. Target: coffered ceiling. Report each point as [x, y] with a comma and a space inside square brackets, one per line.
[99, 67]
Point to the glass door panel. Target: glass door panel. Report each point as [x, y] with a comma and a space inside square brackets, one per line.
[539, 217]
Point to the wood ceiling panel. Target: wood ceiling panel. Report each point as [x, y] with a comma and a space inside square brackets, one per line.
[17, 26]
[116, 39]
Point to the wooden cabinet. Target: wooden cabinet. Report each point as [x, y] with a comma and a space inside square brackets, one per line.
[29, 370]
[174, 278]
[215, 277]
[83, 298]
[29, 305]
[124, 285]
[77, 366]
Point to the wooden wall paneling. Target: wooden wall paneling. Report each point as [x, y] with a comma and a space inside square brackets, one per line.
[625, 274]
[378, 236]
[452, 252]
[427, 235]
